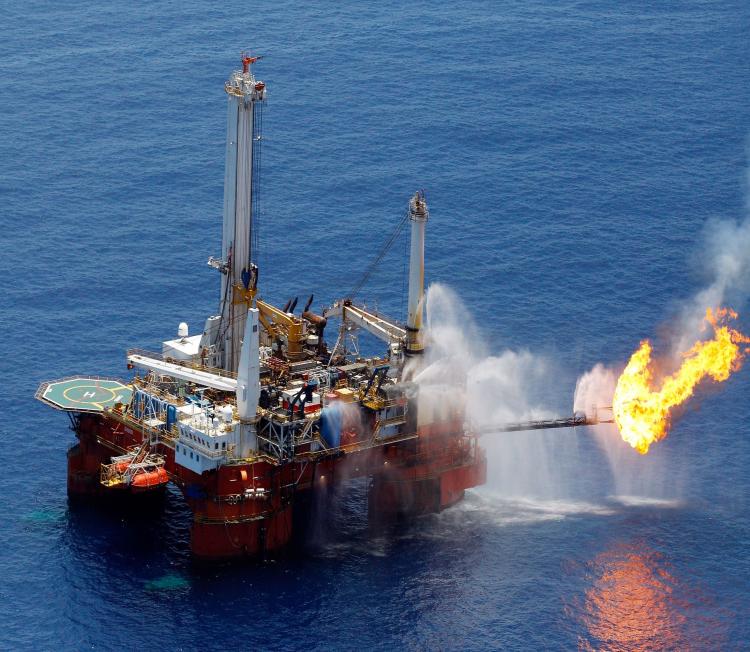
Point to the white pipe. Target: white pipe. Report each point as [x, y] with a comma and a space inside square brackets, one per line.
[228, 233]
[230, 175]
[418, 215]
[248, 371]
[196, 376]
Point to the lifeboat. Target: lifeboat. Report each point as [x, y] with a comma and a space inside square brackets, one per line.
[121, 467]
[149, 480]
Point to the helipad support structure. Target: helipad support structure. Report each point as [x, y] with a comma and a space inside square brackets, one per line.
[84, 393]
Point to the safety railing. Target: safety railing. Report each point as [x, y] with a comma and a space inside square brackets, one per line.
[216, 371]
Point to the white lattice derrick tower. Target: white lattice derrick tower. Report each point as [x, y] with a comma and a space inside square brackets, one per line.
[222, 338]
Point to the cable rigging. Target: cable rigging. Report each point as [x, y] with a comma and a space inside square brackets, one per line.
[370, 269]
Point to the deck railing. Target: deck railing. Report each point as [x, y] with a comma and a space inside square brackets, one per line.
[216, 371]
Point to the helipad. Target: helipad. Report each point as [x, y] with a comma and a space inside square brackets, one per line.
[84, 393]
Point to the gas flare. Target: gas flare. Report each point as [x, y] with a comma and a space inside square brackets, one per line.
[642, 405]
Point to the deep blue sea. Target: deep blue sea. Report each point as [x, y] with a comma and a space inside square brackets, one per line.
[572, 153]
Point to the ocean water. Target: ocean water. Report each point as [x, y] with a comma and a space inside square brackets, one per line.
[572, 152]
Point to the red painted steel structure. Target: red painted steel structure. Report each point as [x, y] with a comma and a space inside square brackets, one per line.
[246, 509]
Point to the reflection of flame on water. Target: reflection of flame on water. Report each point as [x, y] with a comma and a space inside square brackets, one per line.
[642, 411]
[635, 603]
[629, 605]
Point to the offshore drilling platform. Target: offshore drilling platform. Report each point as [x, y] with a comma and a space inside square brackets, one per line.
[254, 414]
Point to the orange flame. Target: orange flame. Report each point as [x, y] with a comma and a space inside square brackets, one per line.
[642, 412]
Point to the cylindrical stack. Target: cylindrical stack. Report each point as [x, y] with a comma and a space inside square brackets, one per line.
[248, 387]
[418, 215]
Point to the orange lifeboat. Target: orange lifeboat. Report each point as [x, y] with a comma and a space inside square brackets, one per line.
[149, 480]
[121, 467]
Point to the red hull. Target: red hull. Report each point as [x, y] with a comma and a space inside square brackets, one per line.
[246, 510]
